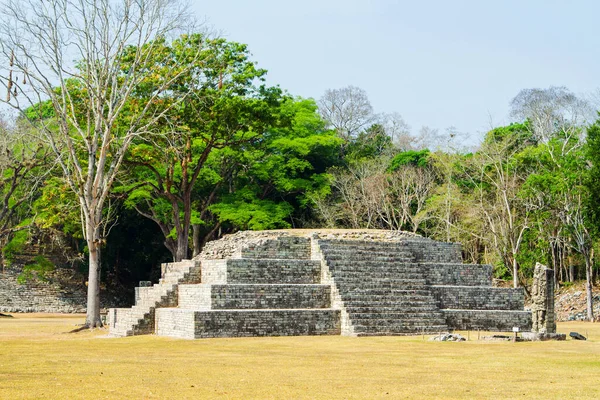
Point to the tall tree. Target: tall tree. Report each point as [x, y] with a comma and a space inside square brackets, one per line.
[347, 110]
[21, 174]
[93, 121]
[172, 183]
[552, 111]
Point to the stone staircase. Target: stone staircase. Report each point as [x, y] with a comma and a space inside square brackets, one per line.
[418, 285]
[382, 289]
[140, 319]
[273, 289]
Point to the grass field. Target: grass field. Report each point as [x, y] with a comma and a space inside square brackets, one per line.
[39, 361]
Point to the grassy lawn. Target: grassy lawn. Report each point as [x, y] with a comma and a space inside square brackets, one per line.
[39, 361]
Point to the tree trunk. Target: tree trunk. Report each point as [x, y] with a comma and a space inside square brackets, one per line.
[571, 273]
[196, 239]
[588, 287]
[92, 319]
[515, 268]
[182, 246]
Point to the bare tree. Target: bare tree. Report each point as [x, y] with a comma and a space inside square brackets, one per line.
[348, 110]
[92, 123]
[398, 130]
[573, 216]
[553, 111]
[505, 213]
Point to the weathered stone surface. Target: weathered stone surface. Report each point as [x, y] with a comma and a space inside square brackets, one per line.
[448, 337]
[457, 274]
[577, 336]
[140, 319]
[287, 247]
[254, 296]
[488, 320]
[191, 324]
[478, 298]
[542, 296]
[38, 296]
[273, 271]
[542, 337]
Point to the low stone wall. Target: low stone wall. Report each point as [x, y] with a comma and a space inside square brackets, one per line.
[190, 324]
[38, 296]
[206, 297]
[273, 271]
[488, 320]
[285, 247]
[429, 251]
[478, 298]
[457, 274]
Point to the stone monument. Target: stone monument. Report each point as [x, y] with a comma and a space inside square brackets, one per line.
[542, 294]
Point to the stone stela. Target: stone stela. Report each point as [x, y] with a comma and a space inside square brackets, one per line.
[542, 296]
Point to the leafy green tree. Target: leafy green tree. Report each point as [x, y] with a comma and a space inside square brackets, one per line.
[169, 179]
[93, 121]
[275, 177]
[592, 150]
[23, 163]
[371, 143]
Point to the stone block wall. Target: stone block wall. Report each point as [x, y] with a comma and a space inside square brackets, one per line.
[255, 296]
[430, 251]
[183, 323]
[488, 320]
[38, 296]
[457, 274]
[285, 247]
[478, 298]
[273, 271]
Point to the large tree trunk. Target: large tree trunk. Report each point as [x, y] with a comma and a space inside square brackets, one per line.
[182, 246]
[196, 240]
[92, 319]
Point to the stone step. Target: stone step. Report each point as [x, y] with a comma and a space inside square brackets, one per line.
[400, 308]
[378, 276]
[413, 330]
[366, 256]
[380, 315]
[273, 271]
[396, 325]
[139, 319]
[373, 266]
[190, 324]
[421, 250]
[379, 287]
[492, 320]
[254, 296]
[375, 255]
[387, 294]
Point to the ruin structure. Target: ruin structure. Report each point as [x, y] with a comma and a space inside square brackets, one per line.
[333, 282]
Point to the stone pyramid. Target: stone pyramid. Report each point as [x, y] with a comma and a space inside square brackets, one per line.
[357, 283]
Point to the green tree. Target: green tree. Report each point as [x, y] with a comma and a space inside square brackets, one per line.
[173, 179]
[93, 121]
[23, 162]
[275, 177]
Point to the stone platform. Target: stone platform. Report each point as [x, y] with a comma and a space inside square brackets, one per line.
[356, 283]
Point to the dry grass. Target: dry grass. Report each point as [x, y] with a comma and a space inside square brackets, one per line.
[39, 361]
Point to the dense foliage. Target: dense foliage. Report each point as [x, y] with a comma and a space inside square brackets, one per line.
[236, 154]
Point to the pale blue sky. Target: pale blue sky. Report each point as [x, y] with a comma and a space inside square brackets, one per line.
[437, 63]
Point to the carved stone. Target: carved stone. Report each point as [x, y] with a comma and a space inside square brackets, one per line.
[542, 294]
